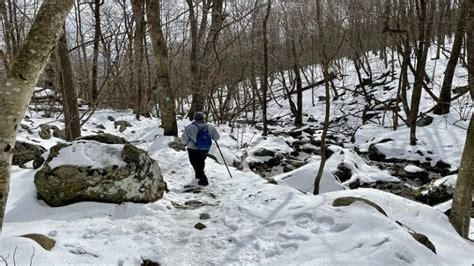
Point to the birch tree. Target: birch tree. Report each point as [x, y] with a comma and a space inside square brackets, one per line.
[16, 91]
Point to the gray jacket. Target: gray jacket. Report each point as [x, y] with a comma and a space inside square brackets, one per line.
[190, 134]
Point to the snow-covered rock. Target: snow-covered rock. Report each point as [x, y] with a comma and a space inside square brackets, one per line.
[87, 170]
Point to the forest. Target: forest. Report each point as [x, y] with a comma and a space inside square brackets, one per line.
[236, 132]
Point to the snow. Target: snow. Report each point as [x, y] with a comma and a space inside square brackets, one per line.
[359, 168]
[252, 222]
[413, 169]
[89, 154]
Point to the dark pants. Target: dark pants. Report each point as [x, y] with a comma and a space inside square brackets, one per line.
[198, 161]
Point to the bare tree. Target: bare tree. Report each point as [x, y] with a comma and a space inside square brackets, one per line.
[460, 216]
[68, 90]
[444, 103]
[425, 22]
[264, 81]
[165, 93]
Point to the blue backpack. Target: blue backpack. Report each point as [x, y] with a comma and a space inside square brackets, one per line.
[203, 138]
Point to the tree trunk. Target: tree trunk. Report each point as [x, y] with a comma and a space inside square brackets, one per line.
[460, 216]
[444, 102]
[95, 56]
[25, 70]
[325, 68]
[299, 88]
[424, 30]
[264, 80]
[71, 113]
[198, 102]
[7, 35]
[167, 99]
[138, 46]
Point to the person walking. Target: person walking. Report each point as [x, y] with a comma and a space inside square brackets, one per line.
[198, 138]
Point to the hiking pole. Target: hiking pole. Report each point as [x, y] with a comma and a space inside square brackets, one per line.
[219, 148]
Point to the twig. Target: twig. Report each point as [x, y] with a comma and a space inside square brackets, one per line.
[32, 255]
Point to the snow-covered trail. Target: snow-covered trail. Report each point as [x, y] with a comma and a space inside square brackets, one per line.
[250, 222]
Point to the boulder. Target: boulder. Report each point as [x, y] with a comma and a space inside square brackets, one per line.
[105, 138]
[25, 152]
[112, 173]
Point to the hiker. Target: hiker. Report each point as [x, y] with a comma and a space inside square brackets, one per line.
[198, 138]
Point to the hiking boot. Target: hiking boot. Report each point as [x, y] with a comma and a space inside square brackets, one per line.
[203, 182]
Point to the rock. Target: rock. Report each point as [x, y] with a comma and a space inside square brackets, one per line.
[346, 201]
[111, 118]
[414, 172]
[177, 145]
[147, 262]
[424, 240]
[204, 216]
[47, 115]
[138, 180]
[424, 121]
[44, 241]
[264, 153]
[442, 164]
[25, 152]
[58, 133]
[44, 132]
[105, 138]
[100, 126]
[200, 226]
[434, 194]
[374, 154]
[27, 128]
[122, 124]
[38, 162]
[343, 172]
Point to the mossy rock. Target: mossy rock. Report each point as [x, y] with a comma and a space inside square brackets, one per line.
[140, 180]
[346, 201]
[44, 241]
[105, 138]
[25, 152]
[44, 132]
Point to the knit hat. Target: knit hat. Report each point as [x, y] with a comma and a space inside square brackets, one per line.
[198, 116]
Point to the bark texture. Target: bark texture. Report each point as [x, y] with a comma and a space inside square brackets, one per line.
[460, 215]
[16, 92]
[166, 96]
[68, 89]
